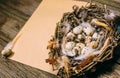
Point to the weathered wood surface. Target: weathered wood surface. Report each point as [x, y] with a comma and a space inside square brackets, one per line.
[13, 69]
[14, 14]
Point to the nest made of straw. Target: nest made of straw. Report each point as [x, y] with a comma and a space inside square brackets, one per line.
[82, 39]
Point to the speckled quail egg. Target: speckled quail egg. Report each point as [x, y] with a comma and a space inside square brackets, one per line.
[80, 37]
[94, 44]
[87, 28]
[81, 45]
[95, 36]
[70, 35]
[69, 45]
[77, 50]
[88, 39]
[77, 30]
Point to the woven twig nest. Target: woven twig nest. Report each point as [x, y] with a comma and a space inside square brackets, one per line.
[82, 39]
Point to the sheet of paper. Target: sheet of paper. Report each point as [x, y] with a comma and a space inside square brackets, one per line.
[30, 48]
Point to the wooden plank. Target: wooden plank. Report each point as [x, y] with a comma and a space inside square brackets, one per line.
[13, 69]
[13, 15]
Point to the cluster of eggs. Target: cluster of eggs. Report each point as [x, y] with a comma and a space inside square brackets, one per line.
[82, 40]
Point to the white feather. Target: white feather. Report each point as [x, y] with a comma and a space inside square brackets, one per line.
[110, 16]
[8, 46]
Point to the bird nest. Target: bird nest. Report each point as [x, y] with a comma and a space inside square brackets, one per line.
[83, 38]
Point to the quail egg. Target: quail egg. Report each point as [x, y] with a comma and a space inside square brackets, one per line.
[70, 35]
[88, 39]
[81, 45]
[77, 30]
[80, 37]
[87, 28]
[76, 50]
[69, 45]
[95, 36]
[94, 44]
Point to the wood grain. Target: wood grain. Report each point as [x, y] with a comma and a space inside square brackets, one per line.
[13, 69]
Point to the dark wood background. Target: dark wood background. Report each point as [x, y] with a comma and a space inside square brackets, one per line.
[14, 14]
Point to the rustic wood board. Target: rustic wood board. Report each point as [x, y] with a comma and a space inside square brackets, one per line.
[13, 15]
[30, 48]
[13, 69]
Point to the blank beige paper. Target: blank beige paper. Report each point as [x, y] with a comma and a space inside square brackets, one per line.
[30, 48]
